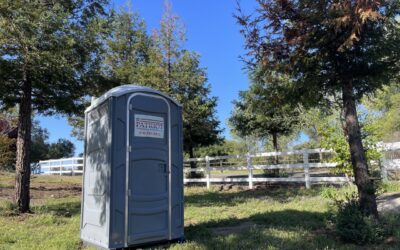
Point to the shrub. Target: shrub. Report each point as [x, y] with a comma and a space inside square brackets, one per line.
[353, 225]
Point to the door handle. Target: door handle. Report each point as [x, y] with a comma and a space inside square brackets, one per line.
[166, 170]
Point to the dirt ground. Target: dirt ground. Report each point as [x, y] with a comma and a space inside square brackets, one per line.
[59, 187]
[42, 188]
[389, 202]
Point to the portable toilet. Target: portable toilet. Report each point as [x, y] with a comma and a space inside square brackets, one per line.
[133, 169]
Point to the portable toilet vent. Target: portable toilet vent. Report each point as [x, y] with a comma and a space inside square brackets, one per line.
[133, 169]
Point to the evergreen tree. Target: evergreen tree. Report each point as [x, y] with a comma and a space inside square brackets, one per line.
[63, 148]
[39, 144]
[127, 49]
[8, 135]
[200, 126]
[333, 50]
[48, 56]
[162, 63]
[169, 40]
[42, 149]
[263, 112]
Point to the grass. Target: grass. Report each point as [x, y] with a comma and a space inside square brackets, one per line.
[7, 180]
[269, 218]
[51, 226]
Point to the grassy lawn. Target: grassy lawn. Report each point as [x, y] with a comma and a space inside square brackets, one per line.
[268, 218]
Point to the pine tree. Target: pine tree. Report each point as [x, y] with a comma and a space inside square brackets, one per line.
[185, 80]
[48, 57]
[127, 49]
[333, 50]
[200, 126]
[162, 63]
[263, 112]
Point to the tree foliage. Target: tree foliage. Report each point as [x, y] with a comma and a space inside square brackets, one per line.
[200, 125]
[7, 154]
[48, 60]
[384, 109]
[53, 44]
[8, 134]
[42, 149]
[159, 61]
[262, 111]
[334, 51]
[321, 44]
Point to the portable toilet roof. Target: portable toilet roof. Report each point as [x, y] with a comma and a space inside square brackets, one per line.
[125, 89]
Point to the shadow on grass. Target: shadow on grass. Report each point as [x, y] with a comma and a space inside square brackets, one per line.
[280, 194]
[63, 209]
[287, 229]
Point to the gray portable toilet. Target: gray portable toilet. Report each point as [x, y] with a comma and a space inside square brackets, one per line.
[133, 169]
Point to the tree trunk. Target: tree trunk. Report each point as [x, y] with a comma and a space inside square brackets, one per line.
[366, 190]
[276, 149]
[22, 167]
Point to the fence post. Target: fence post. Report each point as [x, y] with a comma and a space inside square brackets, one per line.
[73, 166]
[306, 169]
[208, 172]
[384, 170]
[250, 169]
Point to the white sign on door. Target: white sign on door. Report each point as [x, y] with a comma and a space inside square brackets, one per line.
[149, 126]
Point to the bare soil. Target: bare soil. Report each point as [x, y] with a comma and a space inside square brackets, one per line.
[40, 193]
[389, 202]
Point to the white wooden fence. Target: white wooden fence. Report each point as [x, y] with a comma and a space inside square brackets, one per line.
[300, 166]
[65, 166]
[251, 162]
[391, 158]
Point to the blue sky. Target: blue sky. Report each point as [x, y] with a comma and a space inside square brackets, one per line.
[211, 31]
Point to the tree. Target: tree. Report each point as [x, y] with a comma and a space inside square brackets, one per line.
[324, 129]
[384, 108]
[43, 150]
[333, 50]
[224, 148]
[39, 143]
[48, 56]
[262, 111]
[200, 126]
[63, 148]
[129, 56]
[8, 135]
[169, 40]
[127, 50]
[160, 62]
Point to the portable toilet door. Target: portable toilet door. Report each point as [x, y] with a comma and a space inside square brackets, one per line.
[148, 203]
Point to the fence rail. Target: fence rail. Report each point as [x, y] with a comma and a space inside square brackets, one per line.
[65, 166]
[260, 161]
[301, 166]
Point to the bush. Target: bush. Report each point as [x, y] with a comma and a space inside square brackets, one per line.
[354, 226]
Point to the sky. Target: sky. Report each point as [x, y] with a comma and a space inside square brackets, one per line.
[211, 31]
